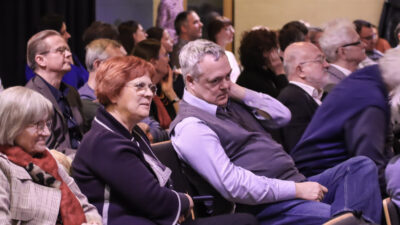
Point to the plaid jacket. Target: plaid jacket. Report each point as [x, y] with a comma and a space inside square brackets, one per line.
[24, 202]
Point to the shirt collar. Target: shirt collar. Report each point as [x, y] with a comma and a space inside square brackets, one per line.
[342, 69]
[313, 92]
[57, 93]
[199, 103]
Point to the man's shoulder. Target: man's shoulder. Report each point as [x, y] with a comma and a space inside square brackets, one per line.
[291, 92]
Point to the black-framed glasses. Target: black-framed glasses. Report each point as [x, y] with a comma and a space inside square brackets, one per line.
[141, 87]
[352, 44]
[59, 50]
[321, 59]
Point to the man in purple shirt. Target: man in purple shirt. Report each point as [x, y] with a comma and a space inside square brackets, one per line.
[221, 133]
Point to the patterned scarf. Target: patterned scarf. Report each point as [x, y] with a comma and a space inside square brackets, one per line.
[44, 170]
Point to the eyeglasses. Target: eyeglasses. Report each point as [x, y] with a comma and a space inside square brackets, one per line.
[352, 44]
[40, 126]
[141, 87]
[321, 59]
[60, 50]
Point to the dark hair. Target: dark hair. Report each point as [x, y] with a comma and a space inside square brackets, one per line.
[216, 25]
[147, 49]
[360, 24]
[289, 36]
[180, 19]
[291, 32]
[51, 22]
[99, 30]
[126, 30]
[155, 33]
[253, 45]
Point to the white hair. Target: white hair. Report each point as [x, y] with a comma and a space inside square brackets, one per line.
[96, 50]
[193, 53]
[20, 107]
[337, 32]
[390, 71]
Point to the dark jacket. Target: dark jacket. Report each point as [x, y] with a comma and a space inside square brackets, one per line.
[111, 171]
[302, 106]
[264, 81]
[59, 138]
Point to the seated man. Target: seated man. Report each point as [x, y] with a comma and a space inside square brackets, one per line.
[354, 120]
[96, 52]
[343, 48]
[306, 68]
[220, 133]
[364, 29]
[50, 58]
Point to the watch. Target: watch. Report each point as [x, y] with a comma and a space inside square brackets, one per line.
[175, 100]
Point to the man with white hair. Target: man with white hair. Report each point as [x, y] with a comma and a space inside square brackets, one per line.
[306, 69]
[343, 48]
[354, 120]
[221, 133]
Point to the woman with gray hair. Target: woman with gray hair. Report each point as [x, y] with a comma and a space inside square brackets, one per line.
[34, 188]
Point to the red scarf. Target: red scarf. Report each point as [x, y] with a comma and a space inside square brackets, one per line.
[162, 114]
[70, 208]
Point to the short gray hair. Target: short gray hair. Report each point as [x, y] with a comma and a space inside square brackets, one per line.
[36, 45]
[20, 107]
[336, 33]
[193, 53]
[96, 50]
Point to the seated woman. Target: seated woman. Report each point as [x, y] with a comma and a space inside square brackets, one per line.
[221, 31]
[34, 188]
[166, 103]
[115, 166]
[263, 68]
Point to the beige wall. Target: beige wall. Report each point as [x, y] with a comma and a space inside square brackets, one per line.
[275, 13]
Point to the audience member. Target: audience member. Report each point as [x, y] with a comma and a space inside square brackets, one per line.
[354, 120]
[78, 75]
[50, 58]
[141, 192]
[221, 31]
[35, 189]
[343, 48]
[162, 36]
[306, 68]
[364, 29]
[314, 34]
[294, 31]
[165, 103]
[98, 30]
[262, 66]
[188, 28]
[96, 52]
[381, 44]
[220, 133]
[131, 33]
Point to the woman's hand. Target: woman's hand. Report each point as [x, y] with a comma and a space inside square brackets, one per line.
[183, 217]
[274, 62]
[167, 86]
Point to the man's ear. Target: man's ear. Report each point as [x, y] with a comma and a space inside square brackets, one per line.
[40, 60]
[189, 81]
[96, 64]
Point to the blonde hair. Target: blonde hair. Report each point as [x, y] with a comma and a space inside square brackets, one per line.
[20, 107]
[36, 45]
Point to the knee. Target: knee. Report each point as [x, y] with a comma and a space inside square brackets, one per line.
[364, 163]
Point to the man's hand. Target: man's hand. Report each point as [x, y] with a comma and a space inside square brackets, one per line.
[237, 92]
[310, 191]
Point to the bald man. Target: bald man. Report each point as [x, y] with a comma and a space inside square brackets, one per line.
[306, 68]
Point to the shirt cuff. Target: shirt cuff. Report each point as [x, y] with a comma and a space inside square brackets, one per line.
[287, 190]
